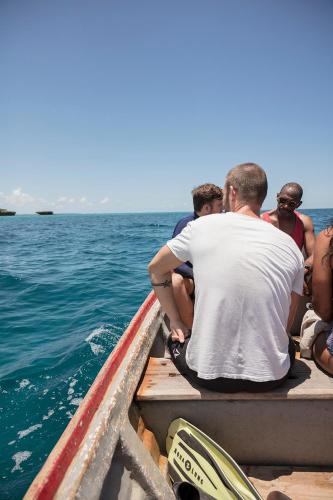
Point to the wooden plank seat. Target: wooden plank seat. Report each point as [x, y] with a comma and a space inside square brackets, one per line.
[291, 425]
[298, 483]
[162, 381]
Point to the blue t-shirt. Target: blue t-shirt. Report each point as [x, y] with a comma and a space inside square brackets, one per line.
[186, 269]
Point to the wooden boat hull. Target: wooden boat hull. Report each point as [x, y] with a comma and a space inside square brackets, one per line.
[79, 463]
[113, 447]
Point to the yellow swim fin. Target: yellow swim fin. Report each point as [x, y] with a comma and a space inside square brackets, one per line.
[194, 457]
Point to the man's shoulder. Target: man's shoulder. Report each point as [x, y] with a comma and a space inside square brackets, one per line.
[183, 223]
[306, 219]
[188, 218]
[269, 215]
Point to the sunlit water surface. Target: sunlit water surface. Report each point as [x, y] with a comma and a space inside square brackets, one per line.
[69, 286]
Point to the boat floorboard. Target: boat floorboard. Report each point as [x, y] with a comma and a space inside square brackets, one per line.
[298, 483]
[162, 381]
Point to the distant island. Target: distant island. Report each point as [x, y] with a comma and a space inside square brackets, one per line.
[4, 211]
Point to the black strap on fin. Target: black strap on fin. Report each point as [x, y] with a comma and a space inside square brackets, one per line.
[196, 446]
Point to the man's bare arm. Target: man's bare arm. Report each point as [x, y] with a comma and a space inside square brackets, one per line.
[309, 244]
[322, 277]
[292, 310]
[160, 269]
[309, 238]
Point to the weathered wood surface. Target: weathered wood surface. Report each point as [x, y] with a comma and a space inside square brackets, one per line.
[162, 381]
[298, 483]
[82, 460]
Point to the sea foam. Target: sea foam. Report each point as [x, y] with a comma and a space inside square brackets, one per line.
[49, 414]
[31, 429]
[23, 384]
[18, 458]
[96, 348]
[96, 333]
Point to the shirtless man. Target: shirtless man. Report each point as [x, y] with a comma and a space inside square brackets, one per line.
[297, 225]
[207, 199]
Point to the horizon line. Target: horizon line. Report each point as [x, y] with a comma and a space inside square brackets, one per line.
[143, 212]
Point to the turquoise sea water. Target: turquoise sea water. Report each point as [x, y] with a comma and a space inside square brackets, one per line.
[69, 286]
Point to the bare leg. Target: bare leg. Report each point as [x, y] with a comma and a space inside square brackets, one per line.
[182, 289]
[321, 354]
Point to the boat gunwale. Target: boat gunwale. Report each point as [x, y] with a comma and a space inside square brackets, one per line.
[54, 469]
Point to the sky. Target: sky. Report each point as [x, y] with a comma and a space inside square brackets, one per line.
[126, 105]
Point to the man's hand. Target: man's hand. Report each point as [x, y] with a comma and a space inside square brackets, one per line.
[292, 311]
[179, 331]
[307, 286]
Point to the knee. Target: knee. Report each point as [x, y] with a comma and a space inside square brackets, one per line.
[321, 354]
[319, 345]
[177, 281]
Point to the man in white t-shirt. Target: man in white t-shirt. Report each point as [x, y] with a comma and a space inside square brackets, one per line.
[249, 276]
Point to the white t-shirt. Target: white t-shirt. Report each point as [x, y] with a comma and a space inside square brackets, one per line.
[244, 273]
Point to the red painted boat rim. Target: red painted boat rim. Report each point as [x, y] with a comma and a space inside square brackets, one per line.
[78, 426]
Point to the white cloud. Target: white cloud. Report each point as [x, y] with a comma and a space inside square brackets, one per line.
[62, 202]
[23, 202]
[105, 200]
[18, 197]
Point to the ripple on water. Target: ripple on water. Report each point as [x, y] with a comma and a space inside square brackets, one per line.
[69, 286]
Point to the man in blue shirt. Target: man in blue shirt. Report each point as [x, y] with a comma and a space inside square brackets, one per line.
[207, 199]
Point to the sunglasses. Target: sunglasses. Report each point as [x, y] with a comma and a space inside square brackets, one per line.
[285, 201]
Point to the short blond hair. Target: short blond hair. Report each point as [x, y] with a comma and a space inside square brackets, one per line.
[250, 181]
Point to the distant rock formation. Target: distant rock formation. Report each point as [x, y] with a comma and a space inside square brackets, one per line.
[4, 211]
[45, 212]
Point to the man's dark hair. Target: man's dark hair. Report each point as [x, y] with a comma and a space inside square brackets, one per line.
[293, 187]
[206, 193]
[250, 181]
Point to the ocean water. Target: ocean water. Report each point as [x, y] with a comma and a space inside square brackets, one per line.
[69, 286]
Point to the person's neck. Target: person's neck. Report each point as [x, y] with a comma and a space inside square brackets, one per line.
[249, 210]
[288, 216]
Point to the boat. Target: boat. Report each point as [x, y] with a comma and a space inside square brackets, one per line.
[45, 212]
[4, 212]
[115, 445]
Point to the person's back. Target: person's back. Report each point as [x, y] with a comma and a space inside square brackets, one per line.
[248, 277]
[244, 274]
